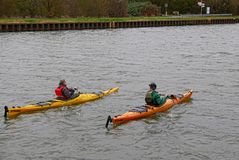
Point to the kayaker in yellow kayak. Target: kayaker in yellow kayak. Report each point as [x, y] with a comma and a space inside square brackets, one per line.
[65, 93]
[153, 98]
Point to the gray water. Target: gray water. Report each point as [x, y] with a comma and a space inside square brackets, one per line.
[202, 58]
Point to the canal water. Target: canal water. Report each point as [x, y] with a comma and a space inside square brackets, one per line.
[202, 58]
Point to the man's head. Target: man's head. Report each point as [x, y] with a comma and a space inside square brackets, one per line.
[152, 86]
[62, 82]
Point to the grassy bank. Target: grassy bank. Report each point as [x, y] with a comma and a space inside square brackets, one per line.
[126, 19]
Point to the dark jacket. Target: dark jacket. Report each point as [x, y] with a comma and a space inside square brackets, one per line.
[67, 92]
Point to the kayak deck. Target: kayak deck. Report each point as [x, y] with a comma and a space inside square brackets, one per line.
[13, 112]
[147, 110]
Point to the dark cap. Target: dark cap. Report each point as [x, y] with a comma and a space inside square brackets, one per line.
[153, 85]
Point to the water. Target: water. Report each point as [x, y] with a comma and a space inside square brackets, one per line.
[202, 58]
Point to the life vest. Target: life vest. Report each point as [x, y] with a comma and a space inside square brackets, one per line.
[148, 98]
[58, 92]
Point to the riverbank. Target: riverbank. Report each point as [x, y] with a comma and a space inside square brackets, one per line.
[48, 24]
[92, 19]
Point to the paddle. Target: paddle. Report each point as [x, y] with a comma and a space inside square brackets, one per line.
[109, 119]
[6, 111]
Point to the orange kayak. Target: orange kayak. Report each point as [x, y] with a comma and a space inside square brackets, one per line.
[146, 110]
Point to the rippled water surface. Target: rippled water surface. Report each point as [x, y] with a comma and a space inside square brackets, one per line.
[202, 58]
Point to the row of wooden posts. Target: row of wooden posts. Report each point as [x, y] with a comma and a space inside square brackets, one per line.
[17, 27]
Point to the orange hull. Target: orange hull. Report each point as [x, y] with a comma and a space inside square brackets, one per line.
[150, 110]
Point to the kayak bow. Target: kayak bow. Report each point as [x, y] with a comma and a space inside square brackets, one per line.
[147, 110]
[13, 112]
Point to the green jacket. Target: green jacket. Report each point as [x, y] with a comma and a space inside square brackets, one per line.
[153, 98]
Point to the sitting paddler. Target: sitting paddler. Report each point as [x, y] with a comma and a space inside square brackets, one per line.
[65, 93]
[153, 98]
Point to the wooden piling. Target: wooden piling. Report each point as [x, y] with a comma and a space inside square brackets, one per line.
[18, 27]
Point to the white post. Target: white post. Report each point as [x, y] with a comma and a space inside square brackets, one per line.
[201, 7]
[166, 11]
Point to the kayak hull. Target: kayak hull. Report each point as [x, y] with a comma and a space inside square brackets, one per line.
[82, 98]
[150, 110]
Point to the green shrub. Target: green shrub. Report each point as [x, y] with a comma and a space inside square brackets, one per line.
[135, 8]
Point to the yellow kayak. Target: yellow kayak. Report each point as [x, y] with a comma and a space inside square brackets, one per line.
[13, 112]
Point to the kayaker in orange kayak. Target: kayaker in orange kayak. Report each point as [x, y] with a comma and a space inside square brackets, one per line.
[153, 98]
[65, 93]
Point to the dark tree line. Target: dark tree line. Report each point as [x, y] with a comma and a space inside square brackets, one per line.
[110, 8]
[191, 6]
[63, 8]
[136, 7]
[224, 6]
